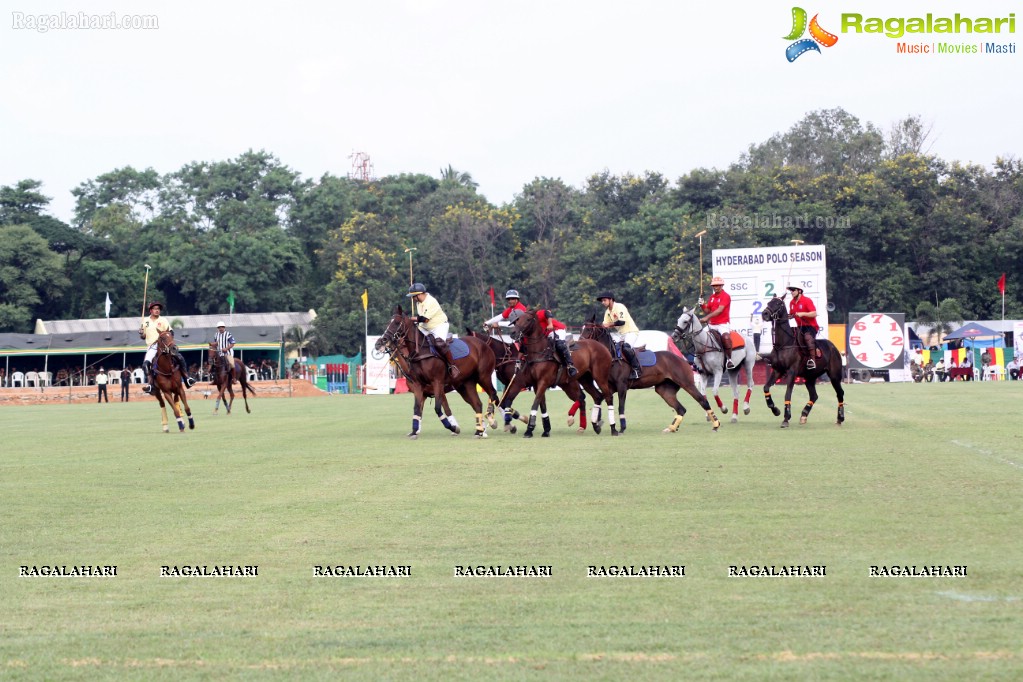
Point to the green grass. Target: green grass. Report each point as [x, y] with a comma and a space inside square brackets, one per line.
[919, 474]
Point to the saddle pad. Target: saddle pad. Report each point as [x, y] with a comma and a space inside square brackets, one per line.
[737, 340]
[647, 358]
[459, 349]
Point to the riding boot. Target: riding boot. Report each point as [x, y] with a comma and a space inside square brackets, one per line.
[183, 368]
[630, 355]
[811, 345]
[726, 348]
[147, 368]
[442, 348]
[566, 357]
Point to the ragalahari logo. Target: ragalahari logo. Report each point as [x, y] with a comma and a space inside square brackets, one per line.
[817, 35]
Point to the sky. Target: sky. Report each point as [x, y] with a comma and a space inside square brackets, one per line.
[506, 91]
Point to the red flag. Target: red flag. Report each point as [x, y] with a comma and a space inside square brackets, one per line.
[493, 300]
[1001, 284]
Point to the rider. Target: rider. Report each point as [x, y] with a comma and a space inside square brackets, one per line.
[150, 330]
[804, 312]
[718, 317]
[550, 327]
[225, 345]
[432, 322]
[623, 330]
[512, 299]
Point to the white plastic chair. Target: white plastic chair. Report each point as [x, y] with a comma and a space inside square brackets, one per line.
[138, 376]
[32, 379]
[45, 378]
[18, 380]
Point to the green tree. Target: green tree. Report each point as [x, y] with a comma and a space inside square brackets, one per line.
[942, 319]
[29, 273]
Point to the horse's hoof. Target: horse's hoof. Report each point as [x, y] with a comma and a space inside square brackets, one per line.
[724, 410]
[734, 419]
[802, 420]
[571, 421]
[527, 434]
[784, 425]
[545, 434]
[166, 429]
[479, 435]
[413, 435]
[708, 418]
[597, 427]
[615, 433]
[776, 411]
[581, 429]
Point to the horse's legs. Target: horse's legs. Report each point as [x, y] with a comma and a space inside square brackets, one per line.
[811, 388]
[751, 361]
[540, 390]
[669, 394]
[836, 382]
[700, 398]
[182, 405]
[788, 399]
[772, 377]
[440, 400]
[468, 392]
[163, 409]
[417, 413]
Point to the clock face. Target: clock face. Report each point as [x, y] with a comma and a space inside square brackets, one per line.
[877, 341]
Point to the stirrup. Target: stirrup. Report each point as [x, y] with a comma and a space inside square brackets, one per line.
[572, 371]
[189, 382]
[634, 374]
[729, 364]
[147, 389]
[810, 364]
[453, 371]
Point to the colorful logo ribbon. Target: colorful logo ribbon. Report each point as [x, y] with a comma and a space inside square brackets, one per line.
[817, 35]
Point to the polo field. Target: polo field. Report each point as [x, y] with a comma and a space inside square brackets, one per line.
[311, 539]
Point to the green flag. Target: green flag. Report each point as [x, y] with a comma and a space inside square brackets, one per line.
[230, 300]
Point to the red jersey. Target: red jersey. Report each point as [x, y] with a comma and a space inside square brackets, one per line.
[803, 305]
[716, 301]
[508, 310]
[544, 316]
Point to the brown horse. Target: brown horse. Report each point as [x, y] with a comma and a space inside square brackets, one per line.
[667, 376]
[507, 356]
[169, 384]
[540, 370]
[224, 376]
[788, 359]
[428, 375]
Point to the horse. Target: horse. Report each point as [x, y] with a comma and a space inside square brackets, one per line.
[224, 376]
[665, 372]
[788, 359]
[540, 370]
[428, 376]
[168, 383]
[711, 359]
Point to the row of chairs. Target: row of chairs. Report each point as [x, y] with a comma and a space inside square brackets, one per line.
[27, 379]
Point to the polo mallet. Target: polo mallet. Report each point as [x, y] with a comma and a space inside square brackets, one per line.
[409, 251]
[145, 291]
[700, 235]
[788, 277]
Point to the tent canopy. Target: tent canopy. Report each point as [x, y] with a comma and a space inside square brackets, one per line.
[972, 330]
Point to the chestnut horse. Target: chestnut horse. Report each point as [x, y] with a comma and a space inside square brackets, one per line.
[428, 375]
[666, 376]
[224, 376]
[788, 359]
[540, 370]
[168, 384]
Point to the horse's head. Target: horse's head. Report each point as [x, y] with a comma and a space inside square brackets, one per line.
[775, 310]
[592, 329]
[397, 332]
[165, 342]
[687, 325]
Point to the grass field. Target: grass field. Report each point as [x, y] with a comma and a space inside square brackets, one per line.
[919, 475]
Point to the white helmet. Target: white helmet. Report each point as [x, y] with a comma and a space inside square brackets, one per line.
[220, 323]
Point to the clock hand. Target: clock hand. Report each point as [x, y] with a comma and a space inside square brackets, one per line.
[878, 344]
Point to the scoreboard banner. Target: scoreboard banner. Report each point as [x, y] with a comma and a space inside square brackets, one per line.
[754, 275]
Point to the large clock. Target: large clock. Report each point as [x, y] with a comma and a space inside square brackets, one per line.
[877, 340]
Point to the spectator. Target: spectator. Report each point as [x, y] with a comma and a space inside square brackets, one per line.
[939, 369]
[101, 386]
[1012, 369]
[125, 383]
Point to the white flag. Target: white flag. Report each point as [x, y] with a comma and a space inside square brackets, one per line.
[108, 305]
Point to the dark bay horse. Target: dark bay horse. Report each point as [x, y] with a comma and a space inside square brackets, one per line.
[428, 375]
[224, 376]
[788, 359]
[540, 370]
[169, 384]
[666, 376]
[507, 357]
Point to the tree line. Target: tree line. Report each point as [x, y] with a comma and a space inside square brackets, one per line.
[905, 231]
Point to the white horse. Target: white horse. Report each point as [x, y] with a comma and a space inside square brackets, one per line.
[711, 359]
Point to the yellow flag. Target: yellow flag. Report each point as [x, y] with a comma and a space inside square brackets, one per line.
[365, 299]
